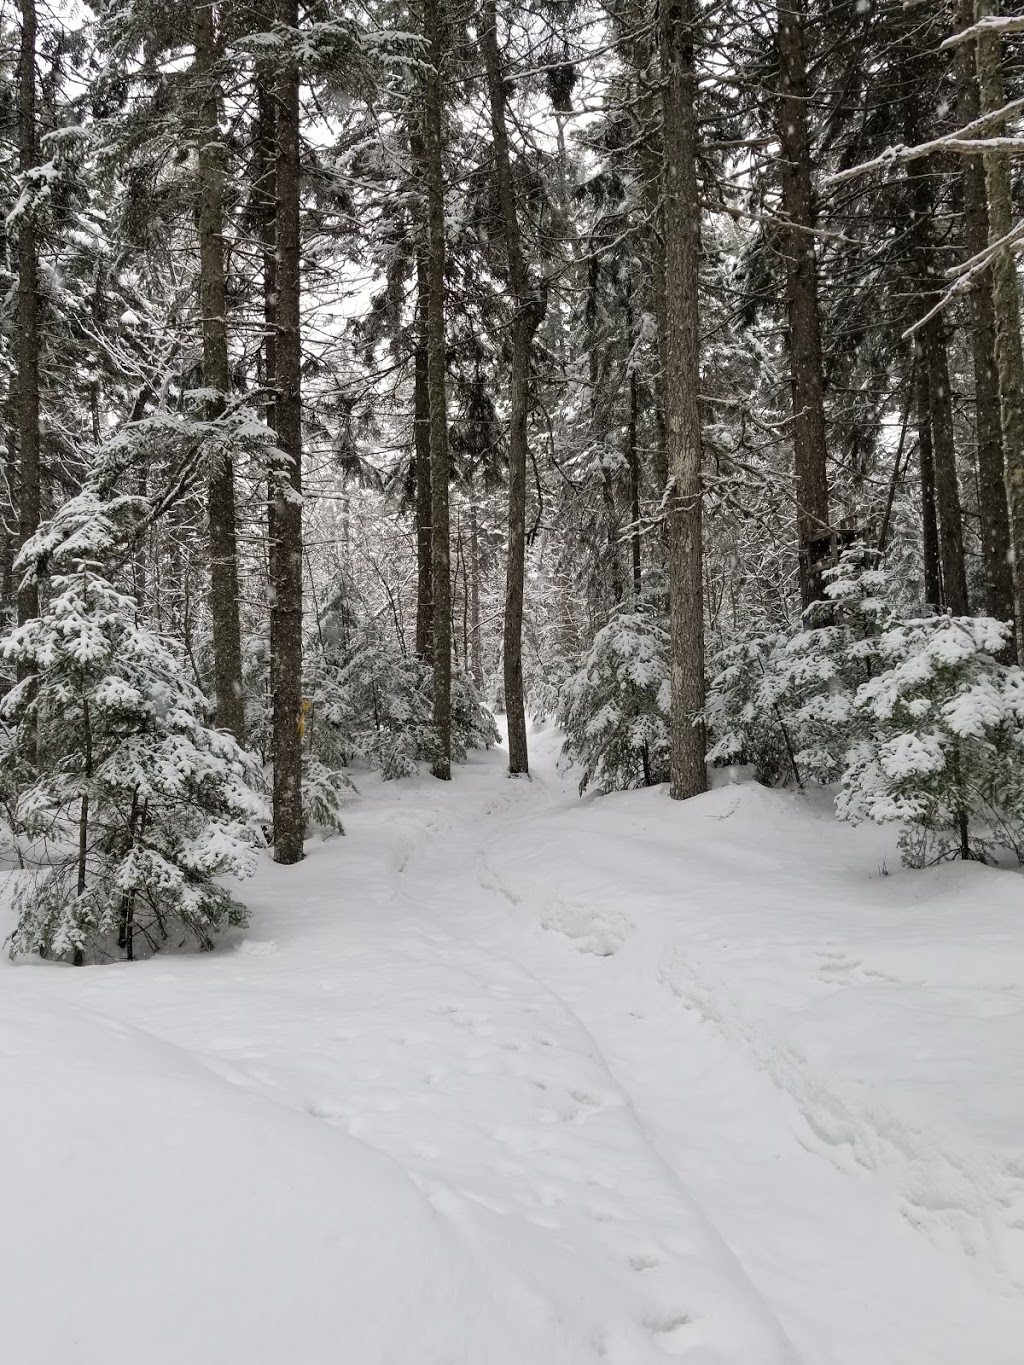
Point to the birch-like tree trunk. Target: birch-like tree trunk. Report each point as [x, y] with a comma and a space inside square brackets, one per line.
[227, 640]
[681, 352]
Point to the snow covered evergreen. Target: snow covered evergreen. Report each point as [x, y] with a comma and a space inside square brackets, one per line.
[130, 806]
[940, 741]
[615, 709]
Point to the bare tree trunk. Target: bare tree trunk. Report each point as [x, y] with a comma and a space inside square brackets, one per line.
[285, 505]
[28, 310]
[947, 491]
[530, 303]
[633, 460]
[227, 640]
[421, 448]
[1005, 297]
[474, 550]
[78, 957]
[934, 367]
[682, 384]
[440, 543]
[807, 377]
[995, 517]
[930, 528]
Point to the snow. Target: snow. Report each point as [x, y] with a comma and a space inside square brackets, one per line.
[505, 1076]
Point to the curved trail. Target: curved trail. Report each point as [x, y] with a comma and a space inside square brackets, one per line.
[547, 1016]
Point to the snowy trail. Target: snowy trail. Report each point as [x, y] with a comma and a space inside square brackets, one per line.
[586, 1083]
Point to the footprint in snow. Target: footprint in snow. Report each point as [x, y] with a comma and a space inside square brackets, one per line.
[670, 1333]
[601, 932]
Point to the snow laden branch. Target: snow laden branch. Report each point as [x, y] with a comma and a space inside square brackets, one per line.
[963, 141]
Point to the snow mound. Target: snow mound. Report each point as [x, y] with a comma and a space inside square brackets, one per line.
[154, 1213]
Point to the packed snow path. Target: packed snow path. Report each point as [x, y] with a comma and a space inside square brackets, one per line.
[506, 1078]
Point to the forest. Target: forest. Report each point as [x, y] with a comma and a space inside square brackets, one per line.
[512, 532]
[657, 369]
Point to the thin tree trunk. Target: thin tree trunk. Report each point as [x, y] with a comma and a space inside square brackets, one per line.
[28, 310]
[633, 465]
[440, 543]
[285, 505]
[682, 381]
[78, 957]
[530, 305]
[227, 639]
[947, 491]
[934, 367]
[474, 550]
[995, 517]
[807, 378]
[929, 523]
[1005, 297]
[421, 448]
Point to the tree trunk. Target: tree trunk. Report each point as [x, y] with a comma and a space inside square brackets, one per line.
[929, 524]
[421, 449]
[947, 491]
[633, 463]
[477, 651]
[530, 305]
[78, 957]
[227, 641]
[995, 517]
[440, 543]
[807, 381]
[1005, 297]
[28, 310]
[285, 505]
[934, 367]
[682, 382]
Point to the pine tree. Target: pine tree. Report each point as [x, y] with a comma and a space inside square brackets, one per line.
[135, 806]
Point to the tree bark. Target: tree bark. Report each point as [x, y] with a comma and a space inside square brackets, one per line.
[530, 305]
[934, 367]
[440, 541]
[421, 449]
[28, 310]
[477, 649]
[285, 503]
[807, 385]
[947, 490]
[682, 382]
[995, 517]
[929, 523]
[227, 638]
[1005, 297]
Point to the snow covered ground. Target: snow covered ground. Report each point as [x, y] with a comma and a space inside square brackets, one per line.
[509, 1078]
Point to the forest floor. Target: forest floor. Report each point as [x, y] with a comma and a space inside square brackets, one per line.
[504, 1077]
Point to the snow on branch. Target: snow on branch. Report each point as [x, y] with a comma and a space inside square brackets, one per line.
[962, 141]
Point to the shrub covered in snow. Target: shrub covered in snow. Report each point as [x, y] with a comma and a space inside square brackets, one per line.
[133, 804]
[615, 711]
[940, 743]
[372, 702]
[786, 703]
[742, 711]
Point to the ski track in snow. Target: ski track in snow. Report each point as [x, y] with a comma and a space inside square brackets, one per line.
[643, 1064]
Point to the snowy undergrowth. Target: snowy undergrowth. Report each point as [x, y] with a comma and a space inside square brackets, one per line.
[505, 1076]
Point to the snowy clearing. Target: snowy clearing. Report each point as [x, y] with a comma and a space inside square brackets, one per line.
[505, 1076]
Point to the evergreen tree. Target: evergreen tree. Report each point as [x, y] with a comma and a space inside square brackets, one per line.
[134, 806]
